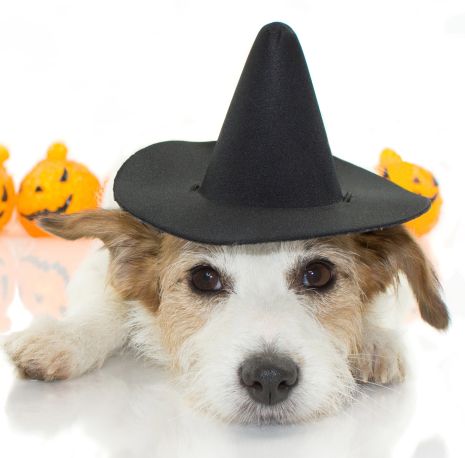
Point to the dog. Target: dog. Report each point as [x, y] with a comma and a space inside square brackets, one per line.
[279, 332]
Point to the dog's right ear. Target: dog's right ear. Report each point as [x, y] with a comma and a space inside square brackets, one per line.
[388, 251]
[134, 248]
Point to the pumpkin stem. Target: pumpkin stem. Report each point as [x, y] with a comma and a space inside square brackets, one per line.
[388, 157]
[57, 151]
[4, 154]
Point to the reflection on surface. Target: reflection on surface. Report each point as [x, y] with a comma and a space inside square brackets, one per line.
[45, 268]
[40, 270]
[7, 282]
[128, 409]
[434, 447]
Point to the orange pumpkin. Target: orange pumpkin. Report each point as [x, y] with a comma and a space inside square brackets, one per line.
[415, 179]
[56, 185]
[7, 190]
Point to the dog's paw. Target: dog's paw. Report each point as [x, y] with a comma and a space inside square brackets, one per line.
[42, 352]
[380, 360]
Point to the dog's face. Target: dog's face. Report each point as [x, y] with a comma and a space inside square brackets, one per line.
[259, 333]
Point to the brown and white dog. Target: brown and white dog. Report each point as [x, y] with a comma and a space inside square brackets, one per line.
[275, 332]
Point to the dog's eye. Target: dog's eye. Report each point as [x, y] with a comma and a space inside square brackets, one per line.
[317, 275]
[206, 278]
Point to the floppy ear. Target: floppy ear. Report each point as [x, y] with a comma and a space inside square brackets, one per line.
[388, 251]
[134, 248]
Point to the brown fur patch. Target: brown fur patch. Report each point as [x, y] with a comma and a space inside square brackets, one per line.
[182, 312]
[339, 308]
[382, 254]
[134, 248]
[56, 369]
[35, 359]
[366, 265]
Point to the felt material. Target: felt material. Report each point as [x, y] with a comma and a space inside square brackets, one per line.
[272, 150]
[270, 176]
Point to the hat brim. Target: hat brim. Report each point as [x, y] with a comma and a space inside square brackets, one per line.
[159, 185]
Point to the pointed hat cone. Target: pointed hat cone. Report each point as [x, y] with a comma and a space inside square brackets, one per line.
[270, 176]
[272, 150]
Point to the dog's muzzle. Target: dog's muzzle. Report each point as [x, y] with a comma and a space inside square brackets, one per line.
[269, 378]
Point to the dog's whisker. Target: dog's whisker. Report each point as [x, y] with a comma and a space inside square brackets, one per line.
[380, 385]
[368, 356]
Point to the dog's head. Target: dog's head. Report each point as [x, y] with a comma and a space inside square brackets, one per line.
[259, 332]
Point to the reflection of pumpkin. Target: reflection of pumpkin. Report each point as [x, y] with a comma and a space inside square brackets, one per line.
[56, 185]
[7, 190]
[7, 283]
[415, 179]
[45, 268]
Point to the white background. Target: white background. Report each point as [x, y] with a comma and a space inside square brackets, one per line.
[110, 77]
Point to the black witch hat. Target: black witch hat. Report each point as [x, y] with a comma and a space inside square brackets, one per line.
[270, 176]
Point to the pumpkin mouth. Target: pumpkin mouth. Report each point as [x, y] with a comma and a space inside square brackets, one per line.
[1, 213]
[45, 212]
[432, 199]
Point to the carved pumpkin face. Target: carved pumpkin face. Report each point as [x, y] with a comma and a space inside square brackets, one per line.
[7, 190]
[56, 185]
[7, 282]
[415, 179]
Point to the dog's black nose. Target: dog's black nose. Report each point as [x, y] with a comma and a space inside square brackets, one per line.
[269, 378]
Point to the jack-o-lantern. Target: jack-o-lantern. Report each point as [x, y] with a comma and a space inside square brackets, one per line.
[7, 282]
[56, 185]
[7, 190]
[45, 267]
[415, 179]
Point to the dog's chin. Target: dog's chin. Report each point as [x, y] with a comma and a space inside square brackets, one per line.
[252, 413]
[246, 411]
[289, 412]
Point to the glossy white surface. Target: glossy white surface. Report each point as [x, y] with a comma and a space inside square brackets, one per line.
[110, 77]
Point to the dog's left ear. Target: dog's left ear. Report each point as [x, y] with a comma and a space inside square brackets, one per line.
[388, 251]
[110, 226]
[134, 248]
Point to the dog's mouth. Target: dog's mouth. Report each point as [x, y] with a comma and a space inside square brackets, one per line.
[254, 414]
[46, 212]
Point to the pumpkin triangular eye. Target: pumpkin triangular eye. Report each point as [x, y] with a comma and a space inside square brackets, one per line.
[64, 177]
[5, 194]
